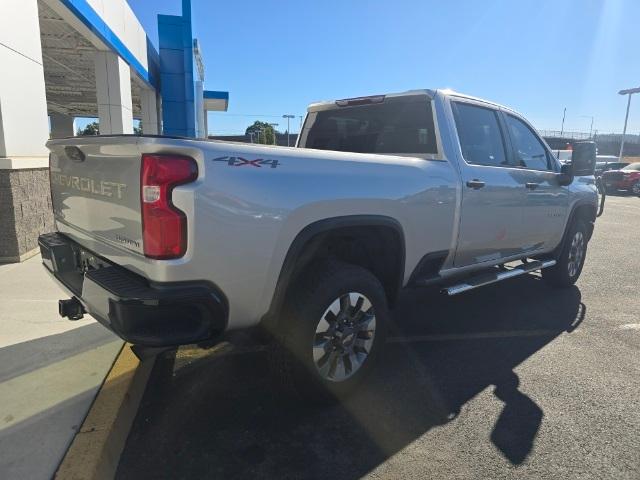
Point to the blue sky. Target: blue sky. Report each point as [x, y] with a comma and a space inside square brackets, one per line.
[537, 56]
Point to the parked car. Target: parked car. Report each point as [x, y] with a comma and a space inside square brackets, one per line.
[602, 167]
[626, 178]
[170, 241]
[563, 156]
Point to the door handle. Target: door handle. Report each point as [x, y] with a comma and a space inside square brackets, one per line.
[531, 185]
[475, 184]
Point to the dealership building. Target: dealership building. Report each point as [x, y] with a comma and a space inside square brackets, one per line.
[62, 59]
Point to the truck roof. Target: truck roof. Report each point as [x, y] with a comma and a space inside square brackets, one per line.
[329, 104]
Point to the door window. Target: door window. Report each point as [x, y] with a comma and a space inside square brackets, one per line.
[528, 149]
[480, 136]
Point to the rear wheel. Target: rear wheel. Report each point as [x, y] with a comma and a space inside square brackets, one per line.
[571, 259]
[332, 333]
[635, 188]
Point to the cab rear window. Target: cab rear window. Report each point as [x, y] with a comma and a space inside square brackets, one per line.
[398, 125]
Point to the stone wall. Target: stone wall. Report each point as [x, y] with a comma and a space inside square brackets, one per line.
[25, 212]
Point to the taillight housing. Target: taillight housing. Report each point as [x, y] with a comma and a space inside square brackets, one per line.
[164, 227]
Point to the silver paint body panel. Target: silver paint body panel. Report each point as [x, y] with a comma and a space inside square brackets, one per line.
[242, 219]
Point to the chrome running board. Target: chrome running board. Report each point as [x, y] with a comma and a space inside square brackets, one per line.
[493, 277]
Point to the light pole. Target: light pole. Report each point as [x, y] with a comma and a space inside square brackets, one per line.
[564, 114]
[274, 125]
[288, 117]
[591, 127]
[629, 92]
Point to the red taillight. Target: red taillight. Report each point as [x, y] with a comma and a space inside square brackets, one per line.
[164, 227]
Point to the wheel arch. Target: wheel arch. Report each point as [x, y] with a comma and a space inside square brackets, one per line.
[583, 210]
[316, 240]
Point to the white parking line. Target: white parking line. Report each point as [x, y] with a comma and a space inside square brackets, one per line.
[630, 326]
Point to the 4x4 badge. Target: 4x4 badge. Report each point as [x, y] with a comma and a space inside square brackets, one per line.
[239, 162]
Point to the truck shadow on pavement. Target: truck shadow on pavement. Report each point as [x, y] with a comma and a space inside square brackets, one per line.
[220, 416]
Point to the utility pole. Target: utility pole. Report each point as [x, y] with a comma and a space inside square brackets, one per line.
[591, 127]
[288, 117]
[629, 92]
[274, 125]
[564, 114]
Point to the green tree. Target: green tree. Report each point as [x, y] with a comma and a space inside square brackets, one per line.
[90, 129]
[262, 132]
[137, 130]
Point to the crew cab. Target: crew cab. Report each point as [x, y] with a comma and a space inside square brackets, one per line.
[168, 241]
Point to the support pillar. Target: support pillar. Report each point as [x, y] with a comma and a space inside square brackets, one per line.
[113, 87]
[25, 206]
[149, 106]
[61, 125]
[200, 113]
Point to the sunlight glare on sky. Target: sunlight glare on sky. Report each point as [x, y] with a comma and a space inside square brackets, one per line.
[536, 56]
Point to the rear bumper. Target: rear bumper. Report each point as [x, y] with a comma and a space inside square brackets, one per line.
[139, 311]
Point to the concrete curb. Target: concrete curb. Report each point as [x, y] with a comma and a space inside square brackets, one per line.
[21, 258]
[96, 448]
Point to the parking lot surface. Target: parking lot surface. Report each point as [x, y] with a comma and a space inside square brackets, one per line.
[513, 380]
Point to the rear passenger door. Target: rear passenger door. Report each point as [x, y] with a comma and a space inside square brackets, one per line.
[545, 205]
[490, 225]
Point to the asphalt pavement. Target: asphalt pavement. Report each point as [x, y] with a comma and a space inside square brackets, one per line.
[513, 380]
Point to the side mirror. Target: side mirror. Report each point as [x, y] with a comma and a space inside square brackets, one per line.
[565, 177]
[583, 159]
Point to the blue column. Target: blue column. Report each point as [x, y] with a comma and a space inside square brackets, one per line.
[177, 85]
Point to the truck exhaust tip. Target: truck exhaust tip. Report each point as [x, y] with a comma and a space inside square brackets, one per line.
[71, 309]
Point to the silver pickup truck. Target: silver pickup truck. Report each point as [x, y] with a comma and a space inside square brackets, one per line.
[169, 241]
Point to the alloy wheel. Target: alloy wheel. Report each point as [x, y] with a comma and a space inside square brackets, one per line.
[344, 337]
[576, 254]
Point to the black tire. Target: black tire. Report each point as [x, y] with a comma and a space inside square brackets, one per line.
[635, 189]
[292, 356]
[571, 259]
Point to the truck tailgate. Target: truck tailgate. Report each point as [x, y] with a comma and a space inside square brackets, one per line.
[95, 188]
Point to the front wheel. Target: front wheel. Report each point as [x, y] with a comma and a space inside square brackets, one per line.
[334, 328]
[635, 188]
[571, 259]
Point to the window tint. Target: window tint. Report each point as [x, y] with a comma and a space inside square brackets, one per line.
[528, 149]
[402, 125]
[480, 135]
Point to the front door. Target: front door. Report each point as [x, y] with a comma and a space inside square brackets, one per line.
[546, 202]
[491, 224]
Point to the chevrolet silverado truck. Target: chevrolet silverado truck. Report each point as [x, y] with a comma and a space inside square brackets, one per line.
[170, 241]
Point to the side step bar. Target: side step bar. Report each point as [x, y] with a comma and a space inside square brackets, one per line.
[488, 278]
